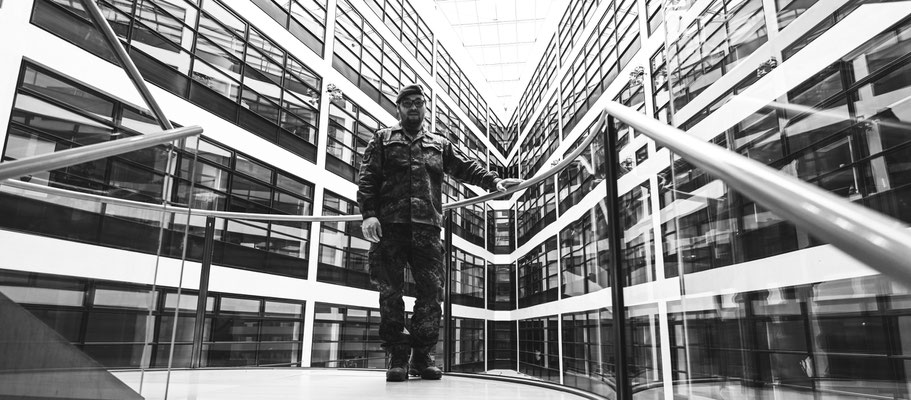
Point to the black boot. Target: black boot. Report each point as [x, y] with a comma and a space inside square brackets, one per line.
[422, 365]
[398, 362]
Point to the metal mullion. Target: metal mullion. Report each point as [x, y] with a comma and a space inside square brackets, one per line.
[323, 24]
[266, 56]
[75, 110]
[44, 134]
[153, 32]
[228, 54]
[158, 35]
[159, 9]
[231, 33]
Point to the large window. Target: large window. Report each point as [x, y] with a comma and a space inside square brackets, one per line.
[725, 33]
[501, 281]
[228, 180]
[541, 141]
[638, 255]
[535, 209]
[467, 222]
[842, 129]
[501, 225]
[53, 113]
[577, 15]
[109, 320]
[468, 345]
[249, 331]
[346, 337]
[540, 81]
[586, 256]
[403, 20]
[608, 50]
[467, 280]
[827, 337]
[350, 129]
[449, 125]
[588, 353]
[539, 355]
[585, 173]
[452, 79]
[368, 61]
[305, 19]
[342, 247]
[538, 274]
[502, 344]
[789, 10]
[232, 70]
[502, 136]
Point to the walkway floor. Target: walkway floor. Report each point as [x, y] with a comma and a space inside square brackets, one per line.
[317, 384]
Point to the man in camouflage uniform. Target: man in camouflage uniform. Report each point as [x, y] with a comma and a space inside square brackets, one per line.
[400, 197]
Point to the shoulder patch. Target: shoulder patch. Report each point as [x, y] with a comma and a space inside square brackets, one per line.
[384, 133]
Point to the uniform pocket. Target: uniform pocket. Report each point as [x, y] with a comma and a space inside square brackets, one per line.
[433, 156]
[395, 154]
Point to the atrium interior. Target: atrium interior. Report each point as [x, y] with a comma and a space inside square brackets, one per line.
[714, 205]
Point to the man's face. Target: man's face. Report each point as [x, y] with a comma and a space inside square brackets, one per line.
[411, 109]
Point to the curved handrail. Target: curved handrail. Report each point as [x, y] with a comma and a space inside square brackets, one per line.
[593, 133]
[878, 241]
[178, 209]
[870, 237]
[78, 155]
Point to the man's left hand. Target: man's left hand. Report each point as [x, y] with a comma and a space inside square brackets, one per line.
[507, 183]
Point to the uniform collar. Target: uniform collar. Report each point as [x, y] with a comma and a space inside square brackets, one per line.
[398, 127]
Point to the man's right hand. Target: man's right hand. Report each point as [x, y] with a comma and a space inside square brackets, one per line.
[371, 229]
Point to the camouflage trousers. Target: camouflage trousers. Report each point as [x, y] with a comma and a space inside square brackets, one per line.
[419, 246]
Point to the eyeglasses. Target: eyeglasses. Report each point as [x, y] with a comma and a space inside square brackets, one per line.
[409, 103]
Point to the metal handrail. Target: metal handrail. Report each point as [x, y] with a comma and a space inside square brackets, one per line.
[178, 209]
[592, 134]
[79, 155]
[878, 241]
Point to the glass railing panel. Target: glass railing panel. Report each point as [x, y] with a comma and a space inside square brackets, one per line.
[118, 311]
[834, 339]
[768, 309]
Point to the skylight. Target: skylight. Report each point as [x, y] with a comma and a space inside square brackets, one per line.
[500, 37]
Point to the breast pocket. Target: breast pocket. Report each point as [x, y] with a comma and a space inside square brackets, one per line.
[433, 156]
[396, 155]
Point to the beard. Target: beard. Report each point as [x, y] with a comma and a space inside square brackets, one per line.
[412, 121]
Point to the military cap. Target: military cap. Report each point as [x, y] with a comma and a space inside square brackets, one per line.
[410, 89]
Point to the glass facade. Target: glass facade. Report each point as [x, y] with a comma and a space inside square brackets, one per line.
[305, 19]
[365, 58]
[407, 26]
[47, 117]
[209, 56]
[110, 321]
[350, 129]
[347, 337]
[342, 247]
[452, 80]
[467, 280]
[724, 298]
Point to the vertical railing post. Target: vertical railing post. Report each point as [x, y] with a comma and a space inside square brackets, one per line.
[624, 392]
[447, 297]
[199, 327]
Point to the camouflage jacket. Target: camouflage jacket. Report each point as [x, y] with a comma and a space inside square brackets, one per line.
[401, 178]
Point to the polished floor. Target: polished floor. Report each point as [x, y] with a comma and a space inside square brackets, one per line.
[264, 384]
